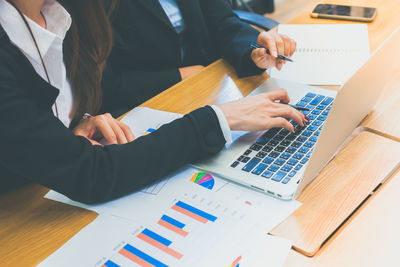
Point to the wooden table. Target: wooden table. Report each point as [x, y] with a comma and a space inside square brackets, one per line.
[31, 227]
[371, 238]
[366, 239]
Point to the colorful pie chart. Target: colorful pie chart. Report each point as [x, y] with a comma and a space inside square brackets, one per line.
[203, 179]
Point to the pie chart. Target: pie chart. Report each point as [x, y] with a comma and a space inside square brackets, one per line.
[203, 179]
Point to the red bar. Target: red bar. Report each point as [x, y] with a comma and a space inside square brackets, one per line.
[236, 262]
[190, 214]
[160, 246]
[134, 258]
[173, 228]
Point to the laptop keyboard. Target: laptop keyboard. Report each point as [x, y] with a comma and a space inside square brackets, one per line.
[279, 154]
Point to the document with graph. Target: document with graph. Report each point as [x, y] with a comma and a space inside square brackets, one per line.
[185, 234]
[191, 218]
[326, 54]
[197, 186]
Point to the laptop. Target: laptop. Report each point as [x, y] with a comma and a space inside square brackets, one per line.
[282, 164]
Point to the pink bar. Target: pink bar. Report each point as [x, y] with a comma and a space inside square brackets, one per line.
[160, 246]
[134, 258]
[190, 214]
[173, 228]
[236, 262]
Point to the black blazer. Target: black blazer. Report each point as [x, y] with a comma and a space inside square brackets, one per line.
[37, 147]
[146, 56]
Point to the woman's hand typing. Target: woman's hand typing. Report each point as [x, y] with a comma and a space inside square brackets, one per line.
[262, 112]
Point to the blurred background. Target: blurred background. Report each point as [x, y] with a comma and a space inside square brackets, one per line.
[280, 10]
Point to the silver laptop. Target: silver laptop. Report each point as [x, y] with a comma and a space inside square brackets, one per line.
[280, 163]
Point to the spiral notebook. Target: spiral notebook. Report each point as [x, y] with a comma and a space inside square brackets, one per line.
[326, 54]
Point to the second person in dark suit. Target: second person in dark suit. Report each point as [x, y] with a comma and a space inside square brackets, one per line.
[158, 43]
[51, 58]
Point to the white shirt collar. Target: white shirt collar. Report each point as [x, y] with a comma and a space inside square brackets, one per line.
[58, 23]
[50, 42]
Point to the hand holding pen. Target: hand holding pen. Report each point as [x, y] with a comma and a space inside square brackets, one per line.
[272, 50]
[280, 56]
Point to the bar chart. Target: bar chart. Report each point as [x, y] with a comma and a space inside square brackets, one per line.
[149, 131]
[173, 225]
[140, 257]
[188, 229]
[110, 263]
[161, 244]
[193, 212]
[236, 262]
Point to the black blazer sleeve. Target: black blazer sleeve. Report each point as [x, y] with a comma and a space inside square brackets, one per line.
[130, 88]
[36, 146]
[232, 36]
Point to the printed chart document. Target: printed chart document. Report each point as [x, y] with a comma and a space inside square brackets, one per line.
[191, 218]
[194, 235]
[143, 205]
[143, 121]
[197, 186]
[326, 54]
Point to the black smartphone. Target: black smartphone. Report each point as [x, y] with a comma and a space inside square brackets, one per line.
[357, 13]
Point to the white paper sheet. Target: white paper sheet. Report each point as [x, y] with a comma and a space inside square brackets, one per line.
[140, 120]
[261, 212]
[210, 244]
[145, 206]
[244, 218]
[326, 54]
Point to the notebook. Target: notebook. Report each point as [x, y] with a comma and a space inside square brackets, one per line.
[326, 54]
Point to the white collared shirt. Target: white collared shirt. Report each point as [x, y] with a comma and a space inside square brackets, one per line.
[174, 14]
[50, 42]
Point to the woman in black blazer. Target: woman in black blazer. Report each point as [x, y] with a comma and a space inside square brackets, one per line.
[39, 147]
[152, 52]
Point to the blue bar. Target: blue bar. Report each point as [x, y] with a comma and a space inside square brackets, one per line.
[150, 130]
[156, 237]
[111, 264]
[144, 256]
[172, 221]
[201, 213]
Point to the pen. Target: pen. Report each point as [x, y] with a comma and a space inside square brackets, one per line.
[299, 108]
[280, 56]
